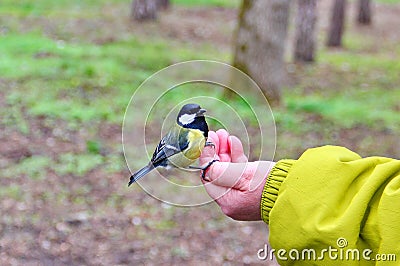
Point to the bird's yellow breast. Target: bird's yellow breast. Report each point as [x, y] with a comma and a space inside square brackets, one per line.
[196, 144]
[189, 155]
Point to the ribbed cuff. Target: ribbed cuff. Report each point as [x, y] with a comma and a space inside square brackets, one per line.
[271, 188]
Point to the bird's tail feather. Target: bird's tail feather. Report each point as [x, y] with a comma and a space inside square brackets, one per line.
[140, 173]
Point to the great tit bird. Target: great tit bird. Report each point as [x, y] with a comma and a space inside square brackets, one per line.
[182, 145]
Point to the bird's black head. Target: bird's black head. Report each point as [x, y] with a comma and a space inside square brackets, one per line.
[192, 116]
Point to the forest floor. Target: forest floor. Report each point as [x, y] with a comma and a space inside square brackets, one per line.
[66, 75]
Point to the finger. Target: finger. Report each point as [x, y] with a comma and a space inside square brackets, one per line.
[213, 137]
[223, 145]
[209, 152]
[236, 148]
[226, 174]
[215, 191]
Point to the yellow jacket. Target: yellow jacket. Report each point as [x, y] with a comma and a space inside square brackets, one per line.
[332, 199]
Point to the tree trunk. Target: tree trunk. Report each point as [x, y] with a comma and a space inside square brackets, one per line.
[337, 24]
[144, 10]
[305, 31]
[260, 42]
[364, 12]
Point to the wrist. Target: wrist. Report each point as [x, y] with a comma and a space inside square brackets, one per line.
[270, 193]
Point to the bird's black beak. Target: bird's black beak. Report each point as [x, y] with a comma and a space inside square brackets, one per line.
[201, 112]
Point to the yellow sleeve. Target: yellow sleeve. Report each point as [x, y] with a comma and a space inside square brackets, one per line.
[331, 198]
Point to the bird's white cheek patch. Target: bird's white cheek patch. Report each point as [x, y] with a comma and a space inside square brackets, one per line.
[187, 119]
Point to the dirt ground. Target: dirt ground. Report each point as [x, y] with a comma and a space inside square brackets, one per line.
[94, 219]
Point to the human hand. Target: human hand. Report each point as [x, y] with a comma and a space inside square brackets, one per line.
[233, 182]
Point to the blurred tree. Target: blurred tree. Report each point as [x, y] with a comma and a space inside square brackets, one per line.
[305, 28]
[144, 10]
[364, 12]
[260, 43]
[336, 24]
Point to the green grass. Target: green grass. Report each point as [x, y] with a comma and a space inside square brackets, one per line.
[81, 78]
[37, 8]
[389, 1]
[36, 167]
[12, 191]
[27, 7]
[388, 67]
[361, 108]
[33, 167]
[77, 164]
[220, 3]
[35, 55]
[357, 85]
[383, 1]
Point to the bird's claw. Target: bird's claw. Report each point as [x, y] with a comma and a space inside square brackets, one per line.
[209, 143]
[204, 169]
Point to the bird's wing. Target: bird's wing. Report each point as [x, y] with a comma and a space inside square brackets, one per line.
[172, 143]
